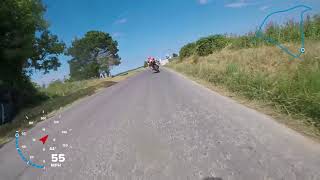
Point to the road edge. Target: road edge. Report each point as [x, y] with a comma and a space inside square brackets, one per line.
[284, 120]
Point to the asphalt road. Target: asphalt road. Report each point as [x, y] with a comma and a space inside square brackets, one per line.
[163, 126]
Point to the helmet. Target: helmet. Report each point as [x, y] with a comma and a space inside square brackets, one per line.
[151, 58]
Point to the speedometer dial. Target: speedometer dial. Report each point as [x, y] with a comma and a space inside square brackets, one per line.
[43, 148]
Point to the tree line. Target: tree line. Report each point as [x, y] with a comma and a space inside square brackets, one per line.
[27, 45]
[283, 33]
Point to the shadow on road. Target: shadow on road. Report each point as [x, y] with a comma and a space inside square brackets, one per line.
[212, 178]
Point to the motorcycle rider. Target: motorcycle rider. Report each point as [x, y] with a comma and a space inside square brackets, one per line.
[151, 62]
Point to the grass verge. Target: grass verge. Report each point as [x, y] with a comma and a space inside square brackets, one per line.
[267, 80]
[61, 94]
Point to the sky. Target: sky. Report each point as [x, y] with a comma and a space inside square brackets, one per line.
[154, 27]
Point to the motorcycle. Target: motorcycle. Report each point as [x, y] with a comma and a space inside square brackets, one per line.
[155, 66]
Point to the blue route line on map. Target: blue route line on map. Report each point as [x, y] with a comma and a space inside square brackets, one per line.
[28, 161]
[259, 33]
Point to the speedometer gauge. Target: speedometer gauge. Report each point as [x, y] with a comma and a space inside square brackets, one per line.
[45, 147]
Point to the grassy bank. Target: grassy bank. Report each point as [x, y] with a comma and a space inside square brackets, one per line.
[60, 94]
[267, 76]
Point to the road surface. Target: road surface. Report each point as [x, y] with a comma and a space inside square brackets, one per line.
[164, 126]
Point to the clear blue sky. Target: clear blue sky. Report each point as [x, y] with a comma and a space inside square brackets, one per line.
[154, 27]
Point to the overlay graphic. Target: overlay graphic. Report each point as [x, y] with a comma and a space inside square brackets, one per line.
[260, 34]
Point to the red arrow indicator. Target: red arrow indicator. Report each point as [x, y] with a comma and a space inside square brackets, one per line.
[44, 139]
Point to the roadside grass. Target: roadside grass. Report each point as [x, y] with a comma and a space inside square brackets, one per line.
[131, 70]
[60, 95]
[267, 77]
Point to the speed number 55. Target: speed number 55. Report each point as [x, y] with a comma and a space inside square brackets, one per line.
[58, 158]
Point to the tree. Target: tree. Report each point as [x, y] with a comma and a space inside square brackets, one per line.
[25, 45]
[145, 64]
[95, 52]
[174, 55]
[187, 50]
[20, 49]
[208, 45]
